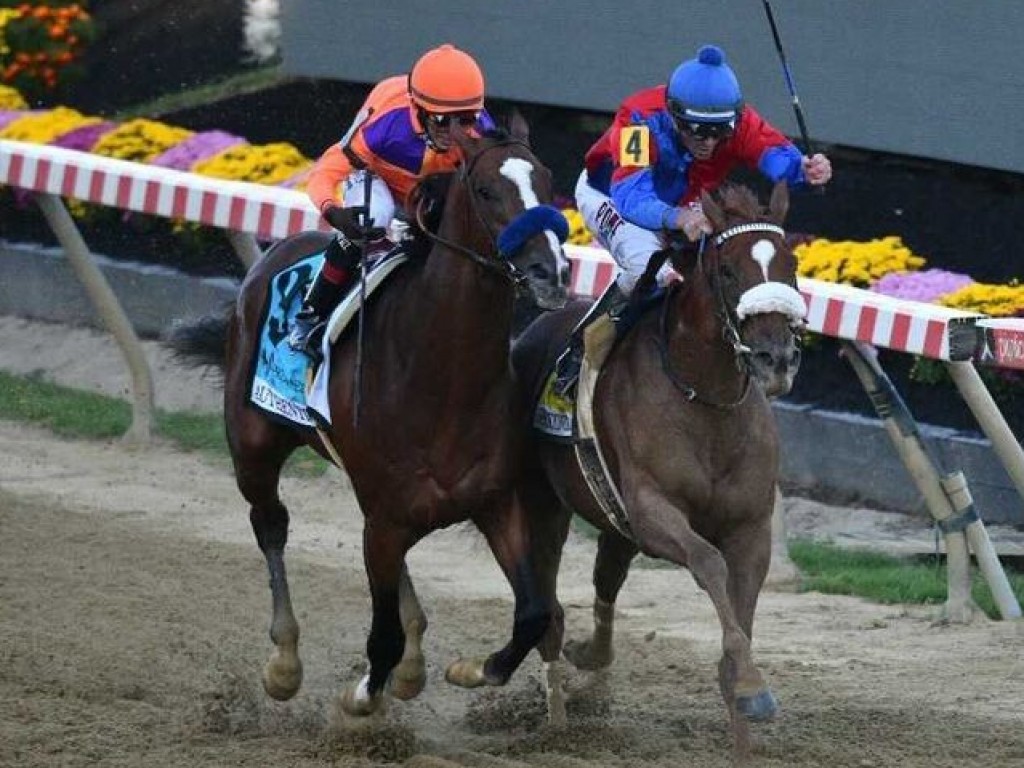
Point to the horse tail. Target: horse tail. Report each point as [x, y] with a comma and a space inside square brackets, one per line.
[202, 341]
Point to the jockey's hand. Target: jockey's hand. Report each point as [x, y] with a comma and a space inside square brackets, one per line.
[817, 169]
[349, 221]
[692, 222]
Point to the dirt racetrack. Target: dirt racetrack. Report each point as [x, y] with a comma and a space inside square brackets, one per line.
[133, 626]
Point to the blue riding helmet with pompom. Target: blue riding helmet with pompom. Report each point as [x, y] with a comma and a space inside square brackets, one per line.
[705, 89]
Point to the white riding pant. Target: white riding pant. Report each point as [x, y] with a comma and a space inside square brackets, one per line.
[629, 245]
[382, 202]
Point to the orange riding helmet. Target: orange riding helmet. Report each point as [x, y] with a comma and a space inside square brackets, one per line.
[445, 80]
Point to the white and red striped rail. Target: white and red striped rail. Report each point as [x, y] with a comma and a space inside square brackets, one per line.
[271, 212]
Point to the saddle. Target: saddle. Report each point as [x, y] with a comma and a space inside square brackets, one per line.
[278, 382]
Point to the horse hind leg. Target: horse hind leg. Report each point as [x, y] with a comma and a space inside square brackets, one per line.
[611, 566]
[409, 678]
[282, 674]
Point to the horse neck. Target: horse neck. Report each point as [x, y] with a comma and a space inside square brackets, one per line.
[469, 308]
[697, 345]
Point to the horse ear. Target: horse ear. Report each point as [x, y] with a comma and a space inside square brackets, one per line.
[713, 211]
[518, 127]
[778, 205]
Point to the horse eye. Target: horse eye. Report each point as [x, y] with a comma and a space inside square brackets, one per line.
[484, 193]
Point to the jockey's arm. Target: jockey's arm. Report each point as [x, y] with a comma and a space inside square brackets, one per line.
[330, 170]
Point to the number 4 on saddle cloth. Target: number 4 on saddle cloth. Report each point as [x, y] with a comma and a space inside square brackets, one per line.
[562, 413]
[279, 373]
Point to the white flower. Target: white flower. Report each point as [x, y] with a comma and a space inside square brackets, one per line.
[262, 29]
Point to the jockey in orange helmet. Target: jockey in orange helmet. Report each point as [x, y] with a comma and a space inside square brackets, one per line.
[401, 134]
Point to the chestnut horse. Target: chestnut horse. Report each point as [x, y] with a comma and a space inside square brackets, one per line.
[439, 432]
[682, 417]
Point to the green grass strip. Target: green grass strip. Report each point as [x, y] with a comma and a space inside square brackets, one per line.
[72, 413]
[883, 578]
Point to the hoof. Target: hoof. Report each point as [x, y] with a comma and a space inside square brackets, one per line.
[581, 654]
[282, 676]
[356, 700]
[554, 688]
[759, 708]
[469, 673]
[409, 679]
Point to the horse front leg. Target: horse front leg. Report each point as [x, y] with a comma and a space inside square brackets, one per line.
[611, 566]
[508, 536]
[747, 554]
[663, 531]
[409, 678]
[384, 550]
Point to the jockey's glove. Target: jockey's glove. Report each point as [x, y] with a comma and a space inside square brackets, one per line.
[350, 222]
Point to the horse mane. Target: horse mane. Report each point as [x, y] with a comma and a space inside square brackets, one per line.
[740, 203]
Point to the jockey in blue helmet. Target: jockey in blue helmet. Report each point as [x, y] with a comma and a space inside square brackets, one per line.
[666, 146]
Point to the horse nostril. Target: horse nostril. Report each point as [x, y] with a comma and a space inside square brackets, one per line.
[764, 360]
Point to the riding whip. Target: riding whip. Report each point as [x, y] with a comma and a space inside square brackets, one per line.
[789, 84]
[365, 244]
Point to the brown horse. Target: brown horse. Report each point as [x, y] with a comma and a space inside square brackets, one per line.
[682, 418]
[439, 433]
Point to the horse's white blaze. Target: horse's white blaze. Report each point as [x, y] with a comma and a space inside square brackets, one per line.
[763, 252]
[518, 171]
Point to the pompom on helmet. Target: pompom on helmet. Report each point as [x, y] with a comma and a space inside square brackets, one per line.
[703, 94]
[445, 81]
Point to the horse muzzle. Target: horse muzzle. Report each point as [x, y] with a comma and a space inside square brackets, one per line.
[549, 297]
[774, 368]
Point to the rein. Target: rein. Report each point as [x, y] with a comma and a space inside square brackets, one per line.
[527, 223]
[725, 315]
[691, 395]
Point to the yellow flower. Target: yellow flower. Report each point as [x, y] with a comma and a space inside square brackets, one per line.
[260, 164]
[10, 98]
[855, 263]
[988, 299]
[578, 232]
[44, 127]
[140, 140]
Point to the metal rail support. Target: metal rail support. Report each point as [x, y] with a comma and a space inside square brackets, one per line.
[246, 247]
[946, 495]
[110, 311]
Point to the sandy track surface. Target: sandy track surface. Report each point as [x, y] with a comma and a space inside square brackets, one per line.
[135, 612]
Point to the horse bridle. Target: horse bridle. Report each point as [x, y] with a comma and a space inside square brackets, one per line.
[500, 266]
[727, 315]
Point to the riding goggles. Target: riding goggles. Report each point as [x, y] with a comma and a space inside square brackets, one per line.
[703, 131]
[445, 119]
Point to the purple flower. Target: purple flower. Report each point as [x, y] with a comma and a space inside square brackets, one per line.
[181, 157]
[925, 286]
[9, 116]
[83, 138]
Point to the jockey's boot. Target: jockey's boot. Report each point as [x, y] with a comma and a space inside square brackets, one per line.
[340, 261]
[569, 363]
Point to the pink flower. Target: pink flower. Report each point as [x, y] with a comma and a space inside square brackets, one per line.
[9, 116]
[181, 157]
[925, 286]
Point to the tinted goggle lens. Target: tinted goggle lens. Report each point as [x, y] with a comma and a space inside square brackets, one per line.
[706, 130]
[443, 120]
